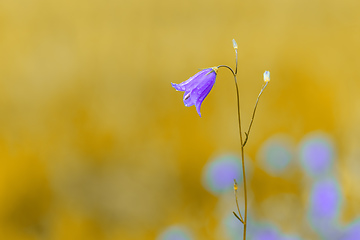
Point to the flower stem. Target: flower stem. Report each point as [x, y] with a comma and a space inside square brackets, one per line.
[242, 155]
[253, 115]
[241, 142]
[236, 201]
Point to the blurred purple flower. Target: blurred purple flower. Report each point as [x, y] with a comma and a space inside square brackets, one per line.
[197, 87]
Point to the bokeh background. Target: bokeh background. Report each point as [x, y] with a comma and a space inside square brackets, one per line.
[96, 144]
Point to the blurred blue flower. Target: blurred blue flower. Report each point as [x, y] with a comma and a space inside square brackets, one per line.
[276, 155]
[219, 173]
[317, 154]
[325, 199]
[270, 233]
[352, 232]
[175, 233]
[197, 87]
[324, 206]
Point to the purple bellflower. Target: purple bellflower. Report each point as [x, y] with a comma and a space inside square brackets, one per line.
[197, 87]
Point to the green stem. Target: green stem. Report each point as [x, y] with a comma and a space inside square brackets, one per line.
[242, 154]
[241, 144]
[253, 115]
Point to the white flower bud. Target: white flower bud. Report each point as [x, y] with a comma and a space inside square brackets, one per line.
[234, 44]
[266, 76]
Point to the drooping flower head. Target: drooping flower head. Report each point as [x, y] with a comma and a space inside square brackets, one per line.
[197, 87]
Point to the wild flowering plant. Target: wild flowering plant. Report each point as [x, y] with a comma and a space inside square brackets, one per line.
[197, 88]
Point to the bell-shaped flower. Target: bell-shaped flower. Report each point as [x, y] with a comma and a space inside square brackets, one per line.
[197, 87]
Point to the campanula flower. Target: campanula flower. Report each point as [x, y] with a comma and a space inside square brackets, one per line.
[197, 87]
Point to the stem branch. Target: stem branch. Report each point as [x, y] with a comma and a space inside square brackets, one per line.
[253, 115]
[241, 142]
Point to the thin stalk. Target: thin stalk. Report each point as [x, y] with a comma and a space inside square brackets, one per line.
[232, 71]
[237, 204]
[240, 219]
[253, 115]
[242, 156]
[236, 61]
[235, 46]
[241, 142]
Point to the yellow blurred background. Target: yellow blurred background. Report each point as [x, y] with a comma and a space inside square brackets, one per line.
[96, 144]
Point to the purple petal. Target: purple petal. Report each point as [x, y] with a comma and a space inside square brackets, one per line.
[192, 81]
[204, 82]
[199, 92]
[188, 101]
[197, 87]
[205, 90]
[176, 86]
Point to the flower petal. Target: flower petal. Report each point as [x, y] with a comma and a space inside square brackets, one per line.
[197, 91]
[197, 87]
[192, 81]
[188, 101]
[204, 92]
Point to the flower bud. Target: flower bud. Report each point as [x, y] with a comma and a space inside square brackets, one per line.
[266, 76]
[234, 44]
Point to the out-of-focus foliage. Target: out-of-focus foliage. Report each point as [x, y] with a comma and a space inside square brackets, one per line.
[96, 144]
